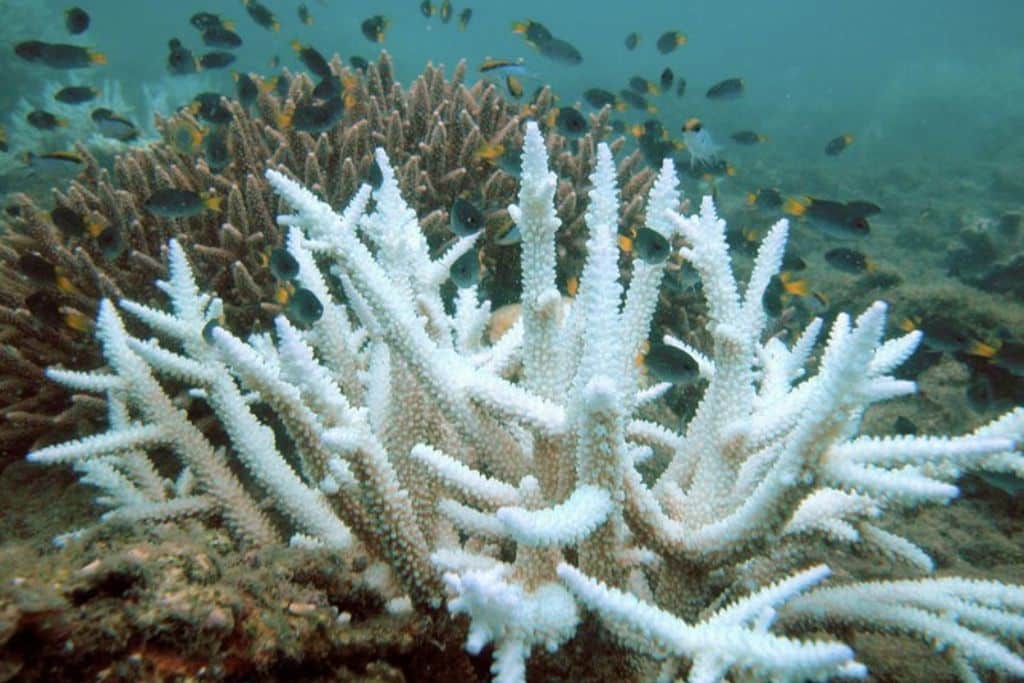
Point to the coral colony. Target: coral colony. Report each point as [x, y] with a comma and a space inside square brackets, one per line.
[502, 480]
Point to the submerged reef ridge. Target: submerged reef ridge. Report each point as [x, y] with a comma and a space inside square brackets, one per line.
[505, 481]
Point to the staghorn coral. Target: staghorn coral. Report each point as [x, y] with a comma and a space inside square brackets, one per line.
[431, 130]
[503, 479]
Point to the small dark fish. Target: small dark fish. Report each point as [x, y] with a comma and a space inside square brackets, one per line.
[729, 89]
[634, 100]
[534, 32]
[216, 60]
[465, 272]
[559, 50]
[205, 20]
[37, 269]
[44, 306]
[111, 243]
[859, 207]
[670, 40]
[207, 106]
[68, 221]
[667, 78]
[642, 86]
[327, 88]
[376, 176]
[571, 123]
[76, 94]
[514, 86]
[305, 307]
[54, 162]
[374, 27]
[317, 117]
[1010, 357]
[76, 20]
[218, 36]
[215, 149]
[175, 203]
[632, 40]
[464, 17]
[598, 98]
[113, 126]
[669, 364]
[180, 60]
[262, 15]
[283, 265]
[651, 246]
[304, 16]
[837, 144]
[358, 63]
[446, 11]
[904, 426]
[765, 198]
[792, 261]
[833, 218]
[747, 137]
[681, 87]
[510, 237]
[59, 55]
[246, 89]
[282, 83]
[427, 8]
[44, 120]
[313, 60]
[848, 260]
[465, 219]
[502, 66]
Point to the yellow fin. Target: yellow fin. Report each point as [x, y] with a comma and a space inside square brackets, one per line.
[572, 285]
[97, 57]
[794, 287]
[212, 202]
[625, 243]
[981, 349]
[794, 207]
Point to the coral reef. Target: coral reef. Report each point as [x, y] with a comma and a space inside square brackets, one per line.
[504, 479]
[432, 132]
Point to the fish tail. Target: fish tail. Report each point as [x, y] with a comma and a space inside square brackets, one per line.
[79, 322]
[981, 349]
[97, 57]
[751, 199]
[212, 202]
[795, 207]
[229, 25]
[794, 287]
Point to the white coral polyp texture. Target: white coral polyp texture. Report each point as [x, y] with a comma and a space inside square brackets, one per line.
[503, 478]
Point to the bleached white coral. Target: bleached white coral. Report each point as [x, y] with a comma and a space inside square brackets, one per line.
[476, 472]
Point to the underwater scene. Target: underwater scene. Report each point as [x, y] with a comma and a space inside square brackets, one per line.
[537, 341]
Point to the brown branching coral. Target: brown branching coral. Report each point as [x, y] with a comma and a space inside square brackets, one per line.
[433, 132]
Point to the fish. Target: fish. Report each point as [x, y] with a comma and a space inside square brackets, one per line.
[37, 269]
[860, 207]
[942, 334]
[680, 87]
[44, 120]
[427, 9]
[207, 20]
[729, 89]
[218, 36]
[111, 243]
[54, 162]
[571, 123]
[765, 198]
[304, 307]
[670, 40]
[262, 15]
[670, 364]
[780, 289]
[1010, 357]
[666, 79]
[534, 32]
[510, 237]
[245, 88]
[837, 144]
[464, 218]
[316, 117]
[832, 217]
[59, 55]
[76, 20]
[180, 60]
[747, 137]
[637, 101]
[848, 260]
[283, 265]
[358, 63]
[313, 60]
[327, 88]
[642, 86]
[216, 60]
[598, 98]
[632, 40]
[465, 272]
[464, 17]
[207, 106]
[503, 66]
[376, 176]
[215, 149]
[176, 203]
[68, 221]
[305, 18]
[446, 11]
[374, 27]
[44, 307]
[651, 246]
[76, 94]
[114, 126]
[511, 162]
[561, 51]
[514, 86]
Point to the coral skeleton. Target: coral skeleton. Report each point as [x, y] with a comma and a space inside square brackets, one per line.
[502, 479]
